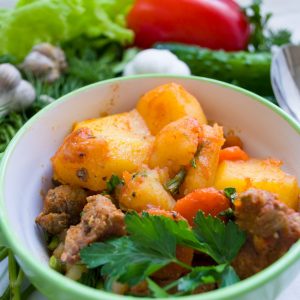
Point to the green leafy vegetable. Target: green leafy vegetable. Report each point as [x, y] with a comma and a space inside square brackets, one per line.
[229, 277]
[262, 38]
[124, 260]
[91, 278]
[113, 182]
[173, 184]
[156, 290]
[230, 193]
[199, 276]
[151, 244]
[222, 241]
[57, 21]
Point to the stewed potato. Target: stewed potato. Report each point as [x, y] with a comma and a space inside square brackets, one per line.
[175, 145]
[202, 172]
[260, 174]
[145, 189]
[168, 103]
[99, 148]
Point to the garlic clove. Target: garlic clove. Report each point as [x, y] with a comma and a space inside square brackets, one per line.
[46, 99]
[10, 77]
[56, 54]
[46, 62]
[38, 64]
[23, 96]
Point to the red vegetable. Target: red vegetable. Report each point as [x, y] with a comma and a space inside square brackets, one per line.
[233, 153]
[209, 200]
[215, 24]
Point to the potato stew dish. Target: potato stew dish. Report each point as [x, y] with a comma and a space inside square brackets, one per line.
[155, 202]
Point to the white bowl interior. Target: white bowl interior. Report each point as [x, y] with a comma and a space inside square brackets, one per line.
[28, 172]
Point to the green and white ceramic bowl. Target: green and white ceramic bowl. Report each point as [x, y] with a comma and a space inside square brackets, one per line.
[26, 171]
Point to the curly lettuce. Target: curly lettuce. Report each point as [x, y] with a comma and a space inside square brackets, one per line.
[56, 21]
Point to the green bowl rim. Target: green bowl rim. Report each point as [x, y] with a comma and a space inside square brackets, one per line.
[58, 280]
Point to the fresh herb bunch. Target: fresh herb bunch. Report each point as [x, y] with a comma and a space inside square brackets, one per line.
[151, 244]
[262, 38]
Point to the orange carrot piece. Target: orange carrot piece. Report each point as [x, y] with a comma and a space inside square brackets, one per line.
[209, 200]
[233, 153]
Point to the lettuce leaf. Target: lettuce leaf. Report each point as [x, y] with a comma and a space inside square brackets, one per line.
[55, 21]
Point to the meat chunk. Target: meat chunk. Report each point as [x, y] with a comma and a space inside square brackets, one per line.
[100, 219]
[62, 208]
[272, 228]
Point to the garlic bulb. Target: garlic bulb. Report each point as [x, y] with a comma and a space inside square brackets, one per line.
[45, 62]
[15, 93]
[10, 77]
[22, 96]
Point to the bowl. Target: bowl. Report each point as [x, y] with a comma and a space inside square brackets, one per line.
[26, 172]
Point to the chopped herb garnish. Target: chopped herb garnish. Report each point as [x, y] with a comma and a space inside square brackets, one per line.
[112, 183]
[193, 160]
[173, 184]
[193, 163]
[230, 193]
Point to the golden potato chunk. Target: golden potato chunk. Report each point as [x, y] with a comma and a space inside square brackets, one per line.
[114, 124]
[145, 189]
[98, 148]
[175, 145]
[202, 173]
[260, 174]
[168, 103]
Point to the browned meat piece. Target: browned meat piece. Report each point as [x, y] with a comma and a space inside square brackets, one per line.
[100, 219]
[272, 229]
[62, 208]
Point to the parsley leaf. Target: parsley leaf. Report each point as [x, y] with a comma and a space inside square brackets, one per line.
[262, 38]
[123, 260]
[222, 241]
[153, 232]
[113, 182]
[200, 276]
[156, 290]
[173, 184]
[230, 193]
[156, 231]
[151, 245]
[229, 277]
[91, 278]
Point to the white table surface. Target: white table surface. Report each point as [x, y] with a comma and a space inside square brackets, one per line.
[286, 15]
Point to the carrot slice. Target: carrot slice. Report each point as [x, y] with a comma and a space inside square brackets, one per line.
[233, 153]
[209, 200]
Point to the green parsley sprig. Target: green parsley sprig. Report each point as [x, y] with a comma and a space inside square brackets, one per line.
[151, 244]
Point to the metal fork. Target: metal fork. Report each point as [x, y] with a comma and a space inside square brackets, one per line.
[285, 78]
